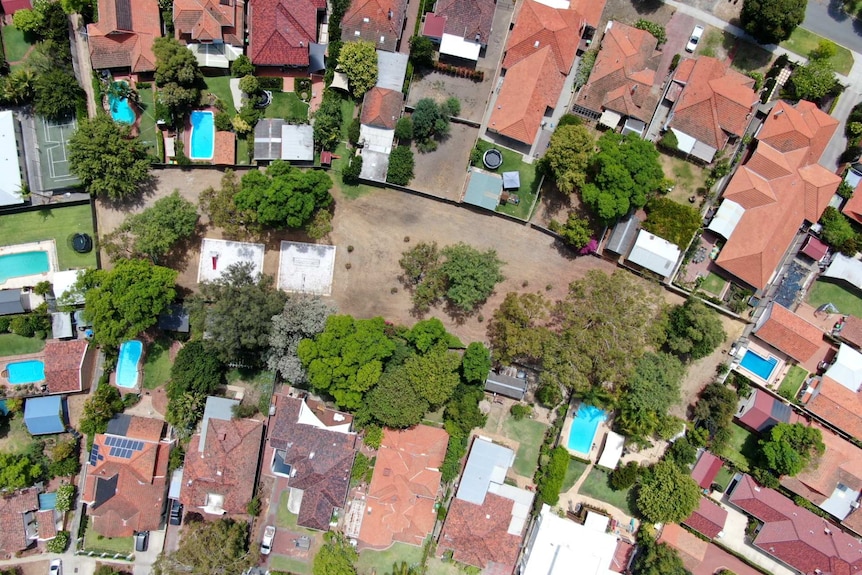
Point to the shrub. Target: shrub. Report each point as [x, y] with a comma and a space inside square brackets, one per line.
[585, 67]
[845, 190]
[669, 141]
[253, 506]
[21, 326]
[65, 497]
[223, 122]
[401, 165]
[551, 477]
[353, 132]
[373, 436]
[4, 324]
[674, 62]
[758, 79]
[243, 410]
[404, 129]
[350, 174]
[657, 30]
[519, 411]
[624, 476]
[271, 83]
[241, 67]
[59, 543]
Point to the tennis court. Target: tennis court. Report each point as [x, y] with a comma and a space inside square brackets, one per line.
[53, 138]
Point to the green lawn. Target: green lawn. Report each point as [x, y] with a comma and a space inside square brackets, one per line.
[573, 473]
[242, 151]
[723, 478]
[13, 344]
[529, 189]
[157, 365]
[792, 382]
[847, 301]
[220, 87]
[286, 519]
[802, 42]
[96, 542]
[59, 223]
[713, 283]
[148, 128]
[14, 437]
[289, 565]
[339, 164]
[381, 562]
[596, 486]
[14, 43]
[287, 106]
[347, 110]
[529, 435]
[741, 450]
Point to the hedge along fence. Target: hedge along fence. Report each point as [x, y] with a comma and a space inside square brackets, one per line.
[459, 71]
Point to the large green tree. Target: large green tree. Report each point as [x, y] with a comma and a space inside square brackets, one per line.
[667, 494]
[99, 408]
[695, 330]
[154, 232]
[126, 300]
[393, 403]
[714, 412]
[476, 363]
[223, 212]
[197, 369]
[656, 558]
[568, 156]
[284, 196]
[177, 76]
[209, 548]
[107, 159]
[651, 390]
[518, 329]
[303, 317]
[358, 60]
[346, 359]
[236, 310]
[625, 171]
[58, 95]
[336, 557]
[813, 81]
[790, 447]
[772, 21]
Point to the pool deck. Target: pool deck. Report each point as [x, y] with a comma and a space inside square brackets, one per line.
[763, 350]
[31, 280]
[4, 379]
[598, 439]
[224, 143]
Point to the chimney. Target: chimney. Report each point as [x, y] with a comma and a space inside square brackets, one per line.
[390, 14]
[536, 44]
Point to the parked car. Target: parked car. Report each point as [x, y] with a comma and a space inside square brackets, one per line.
[176, 512]
[141, 540]
[56, 567]
[695, 38]
[268, 536]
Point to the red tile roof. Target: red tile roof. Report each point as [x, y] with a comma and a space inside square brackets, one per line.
[370, 20]
[47, 525]
[838, 406]
[787, 332]
[539, 54]
[780, 186]
[126, 494]
[795, 535]
[467, 18]
[281, 30]
[706, 469]
[478, 534]
[226, 466]
[381, 108]
[12, 6]
[433, 26]
[13, 506]
[852, 331]
[762, 411]
[210, 21]
[114, 44]
[623, 78]
[815, 249]
[708, 519]
[853, 208]
[63, 360]
[403, 491]
[716, 102]
[224, 153]
[700, 557]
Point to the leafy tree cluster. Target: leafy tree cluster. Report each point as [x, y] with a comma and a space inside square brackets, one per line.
[19, 470]
[65, 497]
[667, 493]
[421, 51]
[673, 221]
[209, 547]
[154, 232]
[772, 21]
[624, 476]
[99, 408]
[694, 329]
[241, 67]
[838, 232]
[431, 122]
[196, 373]
[64, 459]
[813, 81]
[713, 413]
[336, 557]
[790, 447]
[657, 30]
[401, 165]
[577, 231]
[220, 207]
[652, 389]
[460, 274]
[327, 121]
[107, 159]
[177, 76]
[57, 94]
[567, 159]
[655, 558]
[551, 475]
[302, 317]
[358, 60]
[59, 543]
[34, 324]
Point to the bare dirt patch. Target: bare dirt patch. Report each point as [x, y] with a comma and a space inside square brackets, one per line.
[443, 172]
[439, 87]
[688, 178]
[629, 12]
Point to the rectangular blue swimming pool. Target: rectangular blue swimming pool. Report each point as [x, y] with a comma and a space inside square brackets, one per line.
[202, 136]
[23, 372]
[584, 426]
[758, 365]
[23, 264]
[127, 364]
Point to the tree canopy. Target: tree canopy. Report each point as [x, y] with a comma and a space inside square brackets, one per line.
[303, 317]
[656, 558]
[57, 94]
[476, 363]
[177, 76]
[789, 447]
[209, 548]
[667, 494]
[401, 165]
[568, 156]
[154, 232]
[336, 557]
[772, 21]
[107, 159]
[358, 60]
[431, 122]
[126, 300]
[695, 330]
[223, 212]
[652, 389]
[813, 81]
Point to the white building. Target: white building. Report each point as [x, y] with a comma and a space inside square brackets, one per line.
[655, 254]
[10, 164]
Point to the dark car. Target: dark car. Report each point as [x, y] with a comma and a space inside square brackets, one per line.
[141, 540]
[176, 512]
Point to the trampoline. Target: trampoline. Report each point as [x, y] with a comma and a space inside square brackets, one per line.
[82, 243]
[492, 159]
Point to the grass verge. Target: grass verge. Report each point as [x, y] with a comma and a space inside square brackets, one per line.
[803, 41]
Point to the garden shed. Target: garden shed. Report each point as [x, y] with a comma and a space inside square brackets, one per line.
[44, 415]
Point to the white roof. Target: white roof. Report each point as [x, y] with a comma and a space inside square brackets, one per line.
[847, 269]
[847, 368]
[613, 450]
[10, 184]
[306, 268]
[610, 119]
[376, 139]
[684, 142]
[217, 255]
[853, 178]
[61, 324]
[459, 47]
[63, 283]
[726, 218]
[339, 80]
[654, 253]
[391, 70]
[558, 545]
[297, 143]
[308, 417]
[561, 4]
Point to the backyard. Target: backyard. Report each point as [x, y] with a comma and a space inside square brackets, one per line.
[792, 382]
[723, 478]
[147, 128]
[287, 106]
[371, 561]
[846, 300]
[219, 86]
[157, 365]
[713, 283]
[596, 486]
[741, 449]
[513, 162]
[573, 473]
[14, 43]
[527, 433]
[14, 344]
[802, 42]
[58, 223]
[687, 177]
[287, 564]
[14, 437]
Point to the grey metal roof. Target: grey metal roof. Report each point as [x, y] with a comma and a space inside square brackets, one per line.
[391, 70]
[623, 235]
[267, 139]
[483, 189]
[216, 408]
[10, 302]
[506, 385]
[486, 464]
[297, 143]
[61, 325]
[511, 180]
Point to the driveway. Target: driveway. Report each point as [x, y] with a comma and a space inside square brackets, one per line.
[828, 19]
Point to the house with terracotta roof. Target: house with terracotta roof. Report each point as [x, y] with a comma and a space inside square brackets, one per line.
[623, 84]
[780, 187]
[381, 108]
[402, 498]
[126, 480]
[790, 333]
[539, 55]
[706, 469]
[122, 39]
[69, 365]
[461, 27]
[487, 518]
[708, 519]
[18, 527]
[281, 32]
[12, 6]
[761, 411]
[836, 405]
[850, 331]
[311, 454]
[700, 557]
[795, 536]
[221, 462]
[212, 29]
[712, 105]
[377, 21]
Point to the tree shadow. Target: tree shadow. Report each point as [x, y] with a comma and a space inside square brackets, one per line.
[647, 6]
[146, 190]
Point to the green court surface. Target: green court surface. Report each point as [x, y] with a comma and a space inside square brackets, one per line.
[53, 156]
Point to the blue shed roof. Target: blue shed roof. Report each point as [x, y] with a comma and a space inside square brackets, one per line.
[44, 415]
[484, 189]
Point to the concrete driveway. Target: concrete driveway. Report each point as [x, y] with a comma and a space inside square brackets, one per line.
[144, 560]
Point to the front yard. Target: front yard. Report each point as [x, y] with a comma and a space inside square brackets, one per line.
[380, 562]
[744, 56]
[802, 42]
[95, 542]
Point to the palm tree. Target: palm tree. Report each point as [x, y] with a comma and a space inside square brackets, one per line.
[18, 88]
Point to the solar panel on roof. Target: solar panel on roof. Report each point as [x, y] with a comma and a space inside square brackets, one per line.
[94, 454]
[123, 11]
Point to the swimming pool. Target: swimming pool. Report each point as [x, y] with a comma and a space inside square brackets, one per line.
[127, 365]
[202, 136]
[23, 372]
[758, 365]
[121, 110]
[23, 264]
[584, 426]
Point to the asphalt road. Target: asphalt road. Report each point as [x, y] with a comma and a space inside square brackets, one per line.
[826, 18]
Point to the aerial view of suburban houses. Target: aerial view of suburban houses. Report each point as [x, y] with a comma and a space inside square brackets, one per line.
[257, 316]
